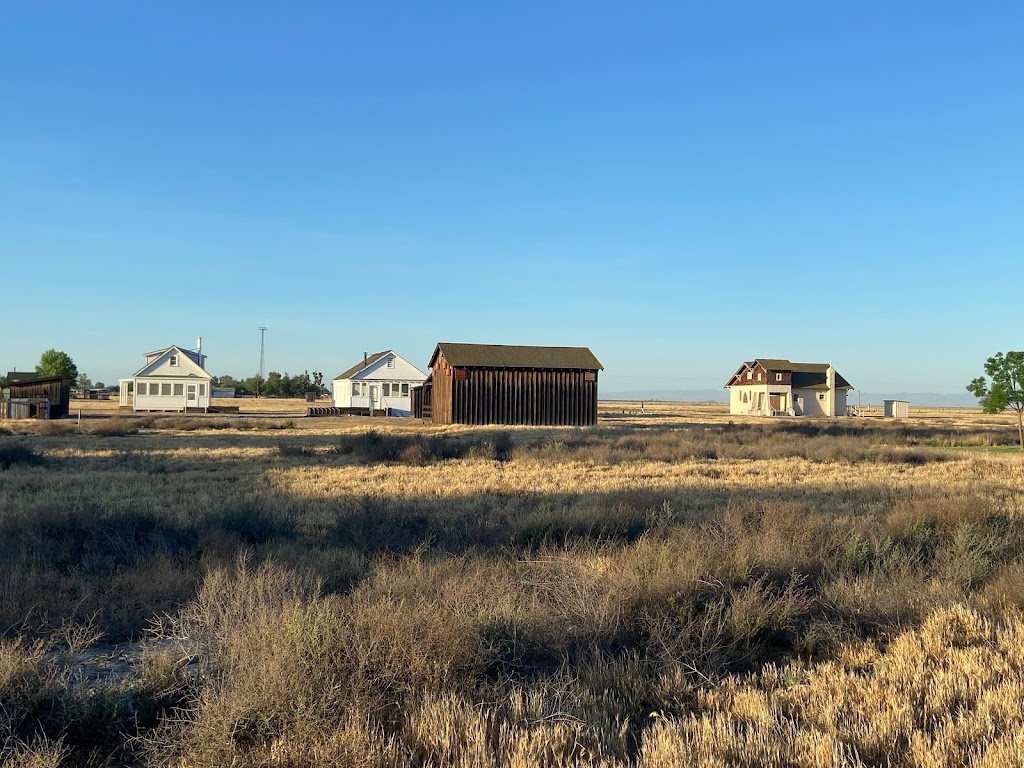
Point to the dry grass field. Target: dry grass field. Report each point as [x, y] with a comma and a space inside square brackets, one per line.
[672, 587]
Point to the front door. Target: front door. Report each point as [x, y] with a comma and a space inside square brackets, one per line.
[190, 390]
[374, 395]
[775, 401]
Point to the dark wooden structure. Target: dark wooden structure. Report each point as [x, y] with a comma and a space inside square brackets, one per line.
[54, 391]
[498, 384]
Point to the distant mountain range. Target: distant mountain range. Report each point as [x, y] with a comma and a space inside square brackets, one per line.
[923, 399]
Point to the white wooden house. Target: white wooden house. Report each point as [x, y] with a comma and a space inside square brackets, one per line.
[770, 387]
[380, 382]
[173, 379]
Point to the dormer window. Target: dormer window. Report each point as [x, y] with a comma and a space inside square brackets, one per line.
[750, 375]
[174, 361]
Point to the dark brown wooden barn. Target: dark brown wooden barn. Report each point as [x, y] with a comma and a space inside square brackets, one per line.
[45, 397]
[498, 384]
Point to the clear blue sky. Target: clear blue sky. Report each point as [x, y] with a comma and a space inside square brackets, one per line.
[680, 186]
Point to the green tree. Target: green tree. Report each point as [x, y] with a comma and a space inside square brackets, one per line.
[56, 363]
[1004, 387]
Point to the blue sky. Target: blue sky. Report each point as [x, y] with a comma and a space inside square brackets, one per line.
[679, 186]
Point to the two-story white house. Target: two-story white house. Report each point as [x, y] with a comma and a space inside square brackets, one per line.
[173, 379]
[770, 387]
[380, 382]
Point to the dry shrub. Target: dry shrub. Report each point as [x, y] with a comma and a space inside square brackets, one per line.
[20, 454]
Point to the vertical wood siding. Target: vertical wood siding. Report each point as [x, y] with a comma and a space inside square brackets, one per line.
[513, 396]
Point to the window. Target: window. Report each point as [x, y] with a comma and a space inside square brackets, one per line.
[391, 362]
[355, 389]
[759, 376]
[387, 389]
[405, 390]
[750, 375]
[778, 377]
[174, 361]
[141, 388]
[179, 390]
[821, 395]
[165, 389]
[202, 390]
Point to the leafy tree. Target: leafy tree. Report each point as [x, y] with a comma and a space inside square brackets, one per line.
[1004, 387]
[84, 382]
[55, 363]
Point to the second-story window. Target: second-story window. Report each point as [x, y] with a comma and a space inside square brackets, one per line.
[778, 377]
[174, 361]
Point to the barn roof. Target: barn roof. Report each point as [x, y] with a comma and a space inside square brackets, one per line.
[507, 356]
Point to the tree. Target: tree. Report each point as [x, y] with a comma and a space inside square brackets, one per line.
[55, 363]
[84, 382]
[1006, 388]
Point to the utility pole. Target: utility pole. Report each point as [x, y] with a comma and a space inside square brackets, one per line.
[263, 330]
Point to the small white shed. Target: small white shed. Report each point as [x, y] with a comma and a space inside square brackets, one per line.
[895, 409]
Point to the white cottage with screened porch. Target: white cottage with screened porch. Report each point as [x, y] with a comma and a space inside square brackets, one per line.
[380, 382]
[173, 379]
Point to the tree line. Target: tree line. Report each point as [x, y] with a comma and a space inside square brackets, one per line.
[53, 363]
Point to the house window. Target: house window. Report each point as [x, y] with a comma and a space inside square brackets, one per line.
[778, 377]
[165, 389]
[179, 390]
[758, 376]
[386, 390]
[405, 390]
[140, 389]
[174, 361]
[391, 362]
[355, 389]
[750, 375]
[202, 390]
[821, 395]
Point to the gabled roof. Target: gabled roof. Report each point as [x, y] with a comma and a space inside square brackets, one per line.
[187, 354]
[804, 375]
[362, 366]
[505, 356]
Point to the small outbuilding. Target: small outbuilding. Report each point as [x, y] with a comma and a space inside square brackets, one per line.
[29, 396]
[895, 409]
[502, 384]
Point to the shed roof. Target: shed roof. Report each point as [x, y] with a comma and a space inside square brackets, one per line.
[34, 379]
[21, 376]
[508, 356]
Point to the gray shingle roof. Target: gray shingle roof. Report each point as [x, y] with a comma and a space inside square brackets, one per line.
[361, 365]
[507, 356]
[805, 375]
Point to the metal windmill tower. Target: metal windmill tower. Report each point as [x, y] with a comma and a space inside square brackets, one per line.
[263, 331]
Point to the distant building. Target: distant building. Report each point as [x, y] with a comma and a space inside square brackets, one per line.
[501, 384]
[771, 387]
[895, 409]
[380, 382]
[173, 379]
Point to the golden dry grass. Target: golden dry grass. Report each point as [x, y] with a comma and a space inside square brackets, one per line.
[672, 587]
